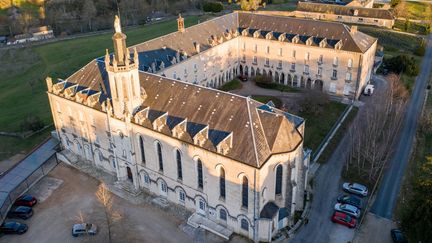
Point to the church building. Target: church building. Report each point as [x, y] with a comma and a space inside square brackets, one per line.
[150, 115]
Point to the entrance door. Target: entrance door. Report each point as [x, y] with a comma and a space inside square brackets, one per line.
[129, 174]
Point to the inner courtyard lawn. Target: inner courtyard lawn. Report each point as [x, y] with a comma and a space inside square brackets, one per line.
[23, 72]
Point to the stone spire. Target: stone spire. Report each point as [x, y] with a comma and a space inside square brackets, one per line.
[119, 40]
[180, 23]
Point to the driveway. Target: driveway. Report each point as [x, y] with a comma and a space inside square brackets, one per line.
[66, 192]
[390, 185]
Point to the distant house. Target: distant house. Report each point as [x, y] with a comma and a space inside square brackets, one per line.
[41, 33]
[347, 14]
[34, 34]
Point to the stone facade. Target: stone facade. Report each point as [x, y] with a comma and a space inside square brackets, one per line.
[146, 116]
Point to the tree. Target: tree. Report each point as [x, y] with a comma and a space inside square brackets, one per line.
[249, 5]
[416, 219]
[394, 3]
[88, 12]
[313, 102]
[105, 199]
[372, 134]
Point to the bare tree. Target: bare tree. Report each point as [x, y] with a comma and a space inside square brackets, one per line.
[105, 199]
[89, 12]
[373, 134]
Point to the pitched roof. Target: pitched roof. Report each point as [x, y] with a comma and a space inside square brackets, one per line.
[257, 131]
[352, 41]
[344, 10]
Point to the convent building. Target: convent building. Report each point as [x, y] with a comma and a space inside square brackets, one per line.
[150, 114]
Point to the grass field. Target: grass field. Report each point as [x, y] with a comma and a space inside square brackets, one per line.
[231, 85]
[317, 126]
[24, 70]
[415, 28]
[417, 10]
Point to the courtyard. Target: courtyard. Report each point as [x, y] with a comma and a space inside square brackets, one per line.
[67, 196]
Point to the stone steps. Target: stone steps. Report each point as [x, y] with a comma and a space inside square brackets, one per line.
[196, 220]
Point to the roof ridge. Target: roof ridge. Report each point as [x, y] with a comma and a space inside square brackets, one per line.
[252, 131]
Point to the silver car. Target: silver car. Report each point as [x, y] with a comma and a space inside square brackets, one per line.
[348, 209]
[84, 229]
[355, 188]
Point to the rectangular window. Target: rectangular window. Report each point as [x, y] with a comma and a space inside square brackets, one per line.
[255, 48]
[255, 61]
[306, 69]
[293, 66]
[320, 59]
[244, 46]
[334, 74]
[348, 77]
[307, 55]
[333, 87]
[280, 52]
[267, 62]
[244, 58]
[268, 49]
[280, 64]
[335, 61]
[294, 54]
[182, 196]
[320, 71]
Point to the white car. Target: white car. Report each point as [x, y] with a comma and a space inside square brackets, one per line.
[355, 188]
[348, 209]
[84, 229]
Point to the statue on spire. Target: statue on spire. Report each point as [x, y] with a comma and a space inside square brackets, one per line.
[117, 25]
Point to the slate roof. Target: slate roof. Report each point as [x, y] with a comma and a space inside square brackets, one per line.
[269, 210]
[256, 131]
[344, 10]
[355, 42]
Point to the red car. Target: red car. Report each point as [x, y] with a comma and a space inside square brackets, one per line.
[344, 219]
[26, 200]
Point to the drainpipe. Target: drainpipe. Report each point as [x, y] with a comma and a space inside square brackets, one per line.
[358, 78]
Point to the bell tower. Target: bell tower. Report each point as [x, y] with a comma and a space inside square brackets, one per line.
[123, 75]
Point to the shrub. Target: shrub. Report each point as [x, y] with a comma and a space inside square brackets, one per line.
[32, 123]
[213, 7]
[402, 63]
[262, 79]
[420, 51]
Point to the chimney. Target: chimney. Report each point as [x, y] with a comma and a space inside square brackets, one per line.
[197, 47]
[353, 29]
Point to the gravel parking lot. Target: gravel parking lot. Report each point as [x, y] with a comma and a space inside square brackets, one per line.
[66, 192]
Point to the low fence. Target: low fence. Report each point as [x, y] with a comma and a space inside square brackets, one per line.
[19, 185]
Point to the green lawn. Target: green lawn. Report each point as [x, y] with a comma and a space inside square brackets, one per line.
[27, 67]
[265, 99]
[393, 43]
[415, 28]
[317, 126]
[417, 10]
[231, 85]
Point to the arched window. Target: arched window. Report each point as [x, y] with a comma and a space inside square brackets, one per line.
[200, 174]
[278, 188]
[141, 142]
[245, 190]
[222, 214]
[159, 152]
[222, 183]
[179, 165]
[244, 224]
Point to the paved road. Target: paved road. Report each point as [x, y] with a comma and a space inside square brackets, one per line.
[389, 189]
[327, 184]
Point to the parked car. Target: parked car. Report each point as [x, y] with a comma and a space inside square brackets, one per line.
[26, 200]
[243, 78]
[21, 212]
[13, 227]
[344, 219]
[355, 188]
[350, 199]
[398, 236]
[348, 209]
[84, 229]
